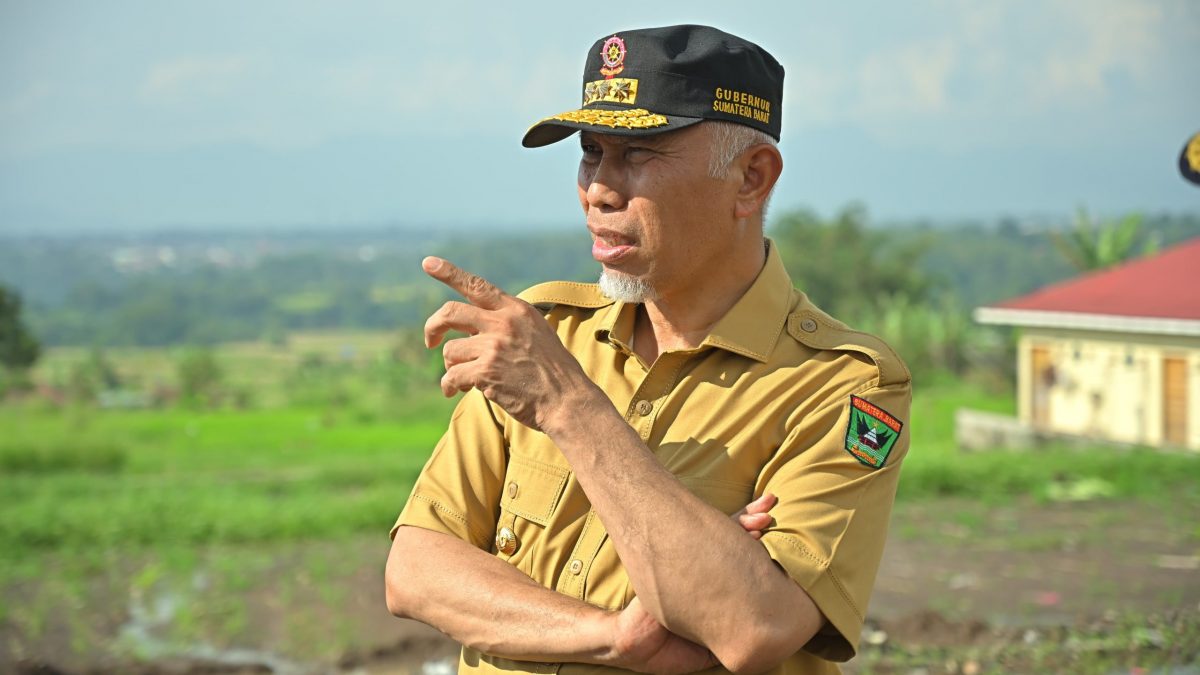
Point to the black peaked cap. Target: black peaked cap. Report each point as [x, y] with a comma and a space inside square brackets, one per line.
[653, 80]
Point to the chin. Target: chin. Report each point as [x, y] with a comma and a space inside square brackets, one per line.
[625, 287]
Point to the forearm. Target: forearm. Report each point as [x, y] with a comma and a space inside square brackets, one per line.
[672, 543]
[489, 605]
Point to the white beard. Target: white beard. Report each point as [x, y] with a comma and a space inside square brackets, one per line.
[625, 288]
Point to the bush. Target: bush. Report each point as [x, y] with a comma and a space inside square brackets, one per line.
[199, 376]
[14, 380]
[99, 458]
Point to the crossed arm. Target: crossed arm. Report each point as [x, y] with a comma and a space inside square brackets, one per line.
[487, 604]
[750, 615]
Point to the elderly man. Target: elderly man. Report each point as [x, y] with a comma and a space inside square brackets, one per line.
[577, 512]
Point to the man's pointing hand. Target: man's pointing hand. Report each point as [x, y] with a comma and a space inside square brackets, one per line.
[510, 352]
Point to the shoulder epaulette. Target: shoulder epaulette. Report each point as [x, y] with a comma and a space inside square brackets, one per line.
[572, 293]
[814, 328]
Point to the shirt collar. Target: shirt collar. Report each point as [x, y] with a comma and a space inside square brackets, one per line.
[750, 328]
[615, 324]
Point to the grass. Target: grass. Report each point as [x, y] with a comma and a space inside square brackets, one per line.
[86, 478]
[935, 468]
[257, 366]
[120, 479]
[1124, 643]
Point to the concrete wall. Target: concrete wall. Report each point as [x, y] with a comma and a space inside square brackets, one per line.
[1106, 385]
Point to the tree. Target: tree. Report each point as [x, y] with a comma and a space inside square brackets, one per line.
[845, 268]
[18, 348]
[93, 375]
[1092, 245]
[199, 375]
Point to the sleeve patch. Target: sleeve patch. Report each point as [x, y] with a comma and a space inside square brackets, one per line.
[871, 432]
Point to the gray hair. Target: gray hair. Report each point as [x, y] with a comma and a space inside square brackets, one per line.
[729, 141]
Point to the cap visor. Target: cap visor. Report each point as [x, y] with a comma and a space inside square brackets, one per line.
[623, 122]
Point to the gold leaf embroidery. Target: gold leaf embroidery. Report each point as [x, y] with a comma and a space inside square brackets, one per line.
[637, 118]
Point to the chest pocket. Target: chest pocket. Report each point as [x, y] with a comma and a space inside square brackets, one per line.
[531, 493]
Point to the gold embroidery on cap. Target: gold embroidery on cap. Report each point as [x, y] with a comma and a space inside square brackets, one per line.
[638, 118]
[616, 90]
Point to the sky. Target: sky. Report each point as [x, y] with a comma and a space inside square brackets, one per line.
[164, 115]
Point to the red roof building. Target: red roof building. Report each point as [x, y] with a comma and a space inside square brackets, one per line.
[1158, 294]
[1112, 354]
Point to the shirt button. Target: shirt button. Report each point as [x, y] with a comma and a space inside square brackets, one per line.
[643, 407]
[512, 490]
[808, 325]
[576, 566]
[506, 541]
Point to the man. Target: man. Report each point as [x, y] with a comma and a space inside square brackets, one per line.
[577, 512]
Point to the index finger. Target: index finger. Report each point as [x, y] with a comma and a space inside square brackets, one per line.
[477, 290]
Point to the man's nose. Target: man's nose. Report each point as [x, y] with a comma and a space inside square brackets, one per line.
[602, 187]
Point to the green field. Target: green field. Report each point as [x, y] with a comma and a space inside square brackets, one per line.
[146, 478]
[105, 509]
[87, 479]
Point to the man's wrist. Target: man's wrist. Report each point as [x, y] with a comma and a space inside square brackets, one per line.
[566, 417]
[607, 625]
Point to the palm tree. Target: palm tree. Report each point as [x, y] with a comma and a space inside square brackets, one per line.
[1094, 245]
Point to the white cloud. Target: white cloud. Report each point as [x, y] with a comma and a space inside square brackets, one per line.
[489, 94]
[909, 80]
[986, 71]
[1103, 38]
[195, 77]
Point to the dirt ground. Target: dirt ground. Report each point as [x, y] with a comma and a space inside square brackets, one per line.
[1106, 587]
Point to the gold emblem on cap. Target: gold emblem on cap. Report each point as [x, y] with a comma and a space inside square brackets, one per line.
[506, 541]
[1193, 153]
[612, 53]
[616, 90]
[638, 118]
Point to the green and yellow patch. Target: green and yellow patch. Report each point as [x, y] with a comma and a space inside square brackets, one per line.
[871, 432]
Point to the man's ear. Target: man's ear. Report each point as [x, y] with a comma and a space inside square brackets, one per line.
[761, 166]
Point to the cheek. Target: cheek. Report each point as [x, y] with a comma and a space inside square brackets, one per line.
[582, 180]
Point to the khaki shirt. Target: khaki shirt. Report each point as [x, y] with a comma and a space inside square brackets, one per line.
[762, 405]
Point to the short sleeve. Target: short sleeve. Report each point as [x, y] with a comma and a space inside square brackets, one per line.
[458, 491]
[836, 477]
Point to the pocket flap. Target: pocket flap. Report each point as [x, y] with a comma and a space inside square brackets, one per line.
[532, 488]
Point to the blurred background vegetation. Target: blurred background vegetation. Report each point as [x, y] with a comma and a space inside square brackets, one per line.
[183, 413]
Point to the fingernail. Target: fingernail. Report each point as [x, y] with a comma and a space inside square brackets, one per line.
[431, 264]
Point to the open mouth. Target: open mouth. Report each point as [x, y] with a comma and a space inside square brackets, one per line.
[609, 247]
[613, 239]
